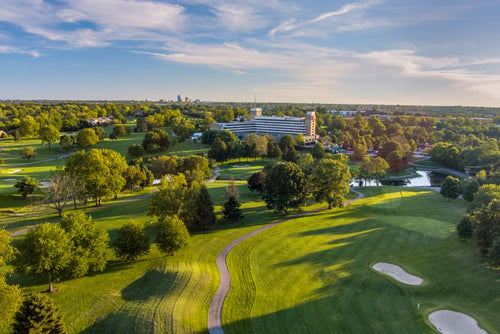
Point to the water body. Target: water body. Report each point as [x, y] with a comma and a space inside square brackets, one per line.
[424, 179]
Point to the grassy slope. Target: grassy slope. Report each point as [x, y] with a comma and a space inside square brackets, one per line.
[157, 293]
[314, 274]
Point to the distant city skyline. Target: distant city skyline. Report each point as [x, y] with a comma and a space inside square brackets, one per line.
[413, 52]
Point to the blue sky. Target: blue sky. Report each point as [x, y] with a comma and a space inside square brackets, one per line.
[432, 52]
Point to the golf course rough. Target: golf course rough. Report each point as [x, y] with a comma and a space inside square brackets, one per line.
[397, 273]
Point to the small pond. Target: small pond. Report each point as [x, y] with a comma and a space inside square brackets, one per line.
[424, 179]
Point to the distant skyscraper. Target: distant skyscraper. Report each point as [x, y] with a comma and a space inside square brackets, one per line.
[179, 98]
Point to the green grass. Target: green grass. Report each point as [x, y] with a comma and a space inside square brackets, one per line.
[157, 293]
[243, 169]
[313, 274]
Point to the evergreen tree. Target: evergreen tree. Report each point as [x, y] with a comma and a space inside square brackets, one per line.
[38, 314]
[198, 210]
[232, 211]
[27, 186]
[218, 150]
[173, 235]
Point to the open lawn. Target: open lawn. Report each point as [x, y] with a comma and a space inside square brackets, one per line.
[244, 168]
[313, 274]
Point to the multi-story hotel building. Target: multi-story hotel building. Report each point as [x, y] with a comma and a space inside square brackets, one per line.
[276, 126]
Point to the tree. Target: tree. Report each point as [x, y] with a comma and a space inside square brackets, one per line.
[318, 151]
[173, 235]
[26, 186]
[273, 150]
[465, 227]
[6, 250]
[100, 132]
[285, 187]
[450, 187]
[59, 191]
[487, 226]
[169, 198]
[291, 155]
[373, 168]
[38, 314]
[231, 209]
[131, 241]
[29, 152]
[218, 150]
[100, 170]
[256, 181]
[88, 245]
[329, 182]
[135, 151]
[299, 139]
[10, 299]
[198, 209]
[286, 142]
[134, 176]
[49, 134]
[156, 141]
[45, 250]
[86, 138]
[231, 190]
[469, 189]
[28, 127]
[120, 130]
[67, 142]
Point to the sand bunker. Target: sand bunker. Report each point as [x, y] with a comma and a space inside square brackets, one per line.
[397, 273]
[450, 322]
[15, 171]
[9, 180]
[44, 184]
[238, 166]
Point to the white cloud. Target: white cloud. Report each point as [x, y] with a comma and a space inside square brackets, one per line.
[291, 24]
[16, 50]
[237, 18]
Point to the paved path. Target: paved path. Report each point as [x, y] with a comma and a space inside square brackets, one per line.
[215, 310]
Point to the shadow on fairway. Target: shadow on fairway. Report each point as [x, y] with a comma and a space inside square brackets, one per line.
[120, 322]
[154, 283]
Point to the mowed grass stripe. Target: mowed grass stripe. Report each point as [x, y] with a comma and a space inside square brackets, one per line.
[328, 285]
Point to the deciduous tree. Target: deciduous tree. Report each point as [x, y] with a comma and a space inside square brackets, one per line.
[45, 250]
[49, 134]
[88, 245]
[131, 241]
[169, 198]
[329, 182]
[173, 235]
[26, 186]
[450, 188]
[86, 138]
[285, 187]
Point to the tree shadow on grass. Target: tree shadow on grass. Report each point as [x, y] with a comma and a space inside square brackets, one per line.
[120, 322]
[154, 283]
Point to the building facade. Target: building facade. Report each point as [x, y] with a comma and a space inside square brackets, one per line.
[276, 126]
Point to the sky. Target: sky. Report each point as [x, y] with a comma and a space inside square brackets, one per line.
[424, 52]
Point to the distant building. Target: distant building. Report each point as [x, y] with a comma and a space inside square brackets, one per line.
[345, 113]
[100, 120]
[179, 98]
[276, 126]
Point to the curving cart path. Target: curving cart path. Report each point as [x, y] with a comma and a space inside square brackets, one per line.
[215, 310]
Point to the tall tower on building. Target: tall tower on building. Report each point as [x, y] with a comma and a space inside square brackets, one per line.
[311, 123]
[255, 112]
